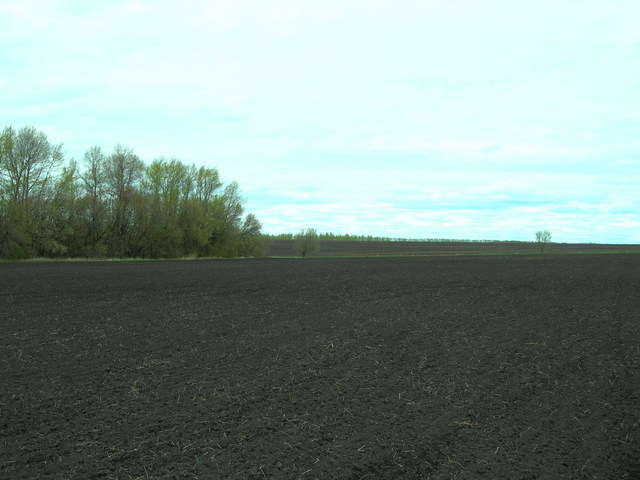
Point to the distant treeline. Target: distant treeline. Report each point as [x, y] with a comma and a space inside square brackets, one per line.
[115, 205]
[370, 238]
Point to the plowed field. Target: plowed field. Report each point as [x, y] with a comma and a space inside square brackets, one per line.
[340, 248]
[497, 367]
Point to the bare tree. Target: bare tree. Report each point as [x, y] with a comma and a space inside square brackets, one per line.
[123, 173]
[306, 241]
[93, 177]
[27, 160]
[94, 201]
[543, 238]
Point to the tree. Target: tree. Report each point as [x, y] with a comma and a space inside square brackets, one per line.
[223, 215]
[123, 174]
[165, 188]
[115, 205]
[253, 242]
[543, 237]
[207, 182]
[27, 160]
[59, 233]
[93, 204]
[27, 163]
[306, 242]
[7, 141]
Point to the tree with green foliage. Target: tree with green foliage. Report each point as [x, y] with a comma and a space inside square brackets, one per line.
[163, 190]
[63, 217]
[28, 161]
[253, 243]
[224, 215]
[200, 188]
[306, 242]
[115, 205]
[543, 238]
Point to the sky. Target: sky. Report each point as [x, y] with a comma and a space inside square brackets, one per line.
[462, 119]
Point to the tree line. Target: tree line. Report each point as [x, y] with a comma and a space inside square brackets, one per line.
[115, 205]
[328, 236]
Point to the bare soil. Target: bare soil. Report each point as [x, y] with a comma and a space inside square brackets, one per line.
[497, 367]
[339, 248]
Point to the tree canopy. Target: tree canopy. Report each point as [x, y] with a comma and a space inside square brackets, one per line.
[115, 205]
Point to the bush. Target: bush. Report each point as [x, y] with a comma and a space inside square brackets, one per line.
[306, 242]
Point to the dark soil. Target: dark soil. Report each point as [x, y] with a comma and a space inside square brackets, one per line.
[333, 248]
[497, 367]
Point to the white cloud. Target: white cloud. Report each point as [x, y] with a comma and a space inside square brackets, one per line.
[291, 194]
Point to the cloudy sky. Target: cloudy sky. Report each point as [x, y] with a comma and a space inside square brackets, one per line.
[472, 119]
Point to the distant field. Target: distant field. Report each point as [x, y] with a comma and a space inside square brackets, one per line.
[284, 248]
[497, 367]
